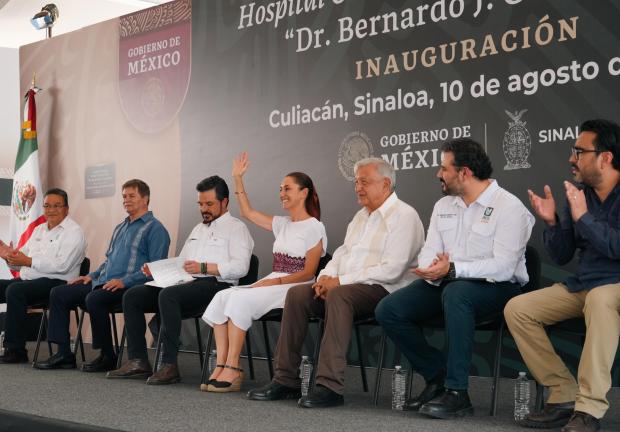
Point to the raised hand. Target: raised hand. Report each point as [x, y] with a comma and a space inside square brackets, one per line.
[241, 164]
[576, 200]
[543, 207]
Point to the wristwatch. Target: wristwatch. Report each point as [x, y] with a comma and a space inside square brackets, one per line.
[451, 272]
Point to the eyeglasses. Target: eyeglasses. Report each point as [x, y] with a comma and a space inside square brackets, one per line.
[577, 152]
[55, 206]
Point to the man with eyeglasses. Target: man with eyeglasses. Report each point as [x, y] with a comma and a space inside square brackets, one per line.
[51, 256]
[590, 226]
[138, 239]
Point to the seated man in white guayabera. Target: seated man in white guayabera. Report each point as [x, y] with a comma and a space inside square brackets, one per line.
[51, 256]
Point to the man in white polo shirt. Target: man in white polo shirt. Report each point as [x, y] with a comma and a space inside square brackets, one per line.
[472, 263]
[52, 256]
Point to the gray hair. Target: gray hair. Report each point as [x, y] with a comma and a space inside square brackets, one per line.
[384, 168]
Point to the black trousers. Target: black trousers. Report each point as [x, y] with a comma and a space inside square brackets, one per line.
[18, 294]
[173, 304]
[98, 303]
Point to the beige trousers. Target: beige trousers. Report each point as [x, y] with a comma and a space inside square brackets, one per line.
[528, 314]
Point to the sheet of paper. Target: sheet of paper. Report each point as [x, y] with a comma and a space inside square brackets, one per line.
[168, 272]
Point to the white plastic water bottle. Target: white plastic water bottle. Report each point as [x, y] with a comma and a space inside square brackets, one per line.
[522, 397]
[305, 373]
[212, 361]
[399, 388]
[2, 342]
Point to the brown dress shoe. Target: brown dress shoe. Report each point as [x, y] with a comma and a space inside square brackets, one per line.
[168, 373]
[553, 415]
[136, 368]
[582, 422]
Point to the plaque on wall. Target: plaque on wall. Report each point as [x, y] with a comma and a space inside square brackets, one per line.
[100, 181]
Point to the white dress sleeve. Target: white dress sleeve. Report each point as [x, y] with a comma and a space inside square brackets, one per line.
[315, 233]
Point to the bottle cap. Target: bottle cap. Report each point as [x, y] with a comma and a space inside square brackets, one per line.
[522, 374]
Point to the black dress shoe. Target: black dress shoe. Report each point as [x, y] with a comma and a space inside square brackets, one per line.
[274, 391]
[57, 361]
[103, 363]
[14, 356]
[321, 397]
[433, 388]
[553, 415]
[451, 404]
[582, 422]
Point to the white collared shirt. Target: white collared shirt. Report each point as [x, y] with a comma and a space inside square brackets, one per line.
[380, 247]
[56, 253]
[486, 239]
[226, 242]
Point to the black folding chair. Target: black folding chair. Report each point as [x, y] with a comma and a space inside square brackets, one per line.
[118, 347]
[44, 324]
[275, 315]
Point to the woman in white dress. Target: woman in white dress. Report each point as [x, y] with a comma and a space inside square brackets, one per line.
[300, 242]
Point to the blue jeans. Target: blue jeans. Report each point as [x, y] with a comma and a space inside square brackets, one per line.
[462, 302]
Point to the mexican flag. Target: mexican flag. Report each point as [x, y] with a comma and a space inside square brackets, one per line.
[27, 200]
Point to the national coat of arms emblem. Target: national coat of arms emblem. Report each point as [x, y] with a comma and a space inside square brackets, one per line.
[517, 142]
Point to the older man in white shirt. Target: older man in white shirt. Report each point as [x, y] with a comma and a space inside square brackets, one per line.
[217, 253]
[380, 246]
[472, 263]
[51, 256]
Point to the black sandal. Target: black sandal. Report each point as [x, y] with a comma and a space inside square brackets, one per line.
[211, 381]
[225, 386]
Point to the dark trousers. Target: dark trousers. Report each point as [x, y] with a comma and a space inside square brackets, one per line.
[18, 294]
[342, 305]
[173, 304]
[403, 313]
[98, 303]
